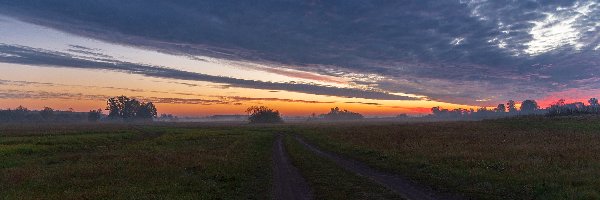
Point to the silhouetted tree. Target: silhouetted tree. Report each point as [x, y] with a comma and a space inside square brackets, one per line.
[593, 102]
[123, 107]
[20, 113]
[47, 113]
[262, 114]
[115, 106]
[94, 115]
[435, 110]
[500, 108]
[146, 111]
[529, 106]
[594, 107]
[130, 109]
[560, 108]
[167, 117]
[511, 106]
[338, 114]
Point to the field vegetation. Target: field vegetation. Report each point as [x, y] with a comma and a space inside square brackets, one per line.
[533, 157]
[516, 158]
[118, 161]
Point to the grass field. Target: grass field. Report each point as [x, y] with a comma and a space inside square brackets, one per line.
[135, 162]
[519, 158]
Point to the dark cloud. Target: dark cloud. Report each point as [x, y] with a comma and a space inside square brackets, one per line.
[457, 51]
[233, 100]
[88, 52]
[32, 56]
[34, 94]
[238, 98]
[365, 103]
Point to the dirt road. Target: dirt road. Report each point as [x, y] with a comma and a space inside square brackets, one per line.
[404, 187]
[288, 184]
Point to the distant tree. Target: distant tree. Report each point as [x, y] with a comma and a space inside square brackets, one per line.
[529, 106]
[402, 116]
[560, 108]
[167, 117]
[560, 102]
[47, 113]
[338, 114]
[20, 113]
[21, 109]
[312, 116]
[511, 106]
[130, 109]
[594, 107]
[94, 115]
[123, 107]
[484, 109]
[593, 102]
[500, 108]
[262, 114]
[435, 110]
[146, 111]
[115, 106]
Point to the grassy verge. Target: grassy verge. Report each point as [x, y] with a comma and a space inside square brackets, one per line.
[522, 158]
[152, 162]
[330, 181]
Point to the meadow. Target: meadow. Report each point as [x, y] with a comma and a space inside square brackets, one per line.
[516, 158]
[117, 161]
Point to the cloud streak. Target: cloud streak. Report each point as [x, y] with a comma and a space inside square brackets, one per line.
[32, 56]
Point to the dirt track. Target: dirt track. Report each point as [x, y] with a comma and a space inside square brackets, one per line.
[404, 187]
[288, 184]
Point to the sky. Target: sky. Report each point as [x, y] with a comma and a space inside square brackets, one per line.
[379, 58]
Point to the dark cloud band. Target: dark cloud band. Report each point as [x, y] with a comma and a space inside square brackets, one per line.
[32, 56]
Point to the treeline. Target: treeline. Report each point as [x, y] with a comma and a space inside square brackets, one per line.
[528, 107]
[336, 114]
[262, 114]
[119, 108]
[560, 108]
[23, 114]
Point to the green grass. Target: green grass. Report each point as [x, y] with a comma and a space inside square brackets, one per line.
[522, 158]
[125, 162]
[330, 181]
[519, 158]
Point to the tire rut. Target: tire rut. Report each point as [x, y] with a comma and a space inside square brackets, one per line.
[401, 185]
[288, 183]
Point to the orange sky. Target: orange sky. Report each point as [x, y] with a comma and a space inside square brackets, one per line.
[83, 90]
